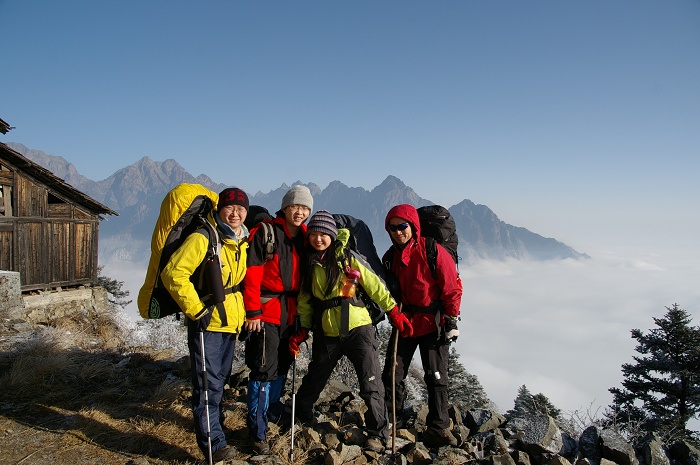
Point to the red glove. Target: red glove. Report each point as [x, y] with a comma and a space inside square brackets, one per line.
[400, 322]
[296, 340]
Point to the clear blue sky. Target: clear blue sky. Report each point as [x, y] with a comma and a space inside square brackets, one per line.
[577, 120]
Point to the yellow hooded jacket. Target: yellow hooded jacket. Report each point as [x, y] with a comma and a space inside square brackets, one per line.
[182, 265]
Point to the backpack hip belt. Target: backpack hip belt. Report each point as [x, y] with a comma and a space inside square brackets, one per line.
[431, 309]
[266, 296]
[344, 304]
[227, 291]
[219, 305]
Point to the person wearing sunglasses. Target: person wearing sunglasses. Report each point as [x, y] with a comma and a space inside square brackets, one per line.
[426, 300]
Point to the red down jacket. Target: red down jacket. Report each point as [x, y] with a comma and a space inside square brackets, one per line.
[279, 275]
[418, 286]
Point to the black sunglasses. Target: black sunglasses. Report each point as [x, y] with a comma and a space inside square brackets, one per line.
[398, 227]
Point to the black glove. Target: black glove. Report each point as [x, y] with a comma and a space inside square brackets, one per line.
[450, 332]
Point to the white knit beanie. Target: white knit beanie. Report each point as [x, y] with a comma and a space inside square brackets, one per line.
[298, 195]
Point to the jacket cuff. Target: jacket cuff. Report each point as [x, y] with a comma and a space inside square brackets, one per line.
[201, 313]
[253, 314]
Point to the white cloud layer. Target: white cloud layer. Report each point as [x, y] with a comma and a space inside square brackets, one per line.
[562, 328]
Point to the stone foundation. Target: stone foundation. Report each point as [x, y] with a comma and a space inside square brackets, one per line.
[44, 306]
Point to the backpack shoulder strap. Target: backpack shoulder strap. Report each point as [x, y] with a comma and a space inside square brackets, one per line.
[210, 233]
[388, 258]
[431, 252]
[269, 230]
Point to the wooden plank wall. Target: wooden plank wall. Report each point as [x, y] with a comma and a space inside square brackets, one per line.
[31, 198]
[7, 256]
[66, 255]
[50, 240]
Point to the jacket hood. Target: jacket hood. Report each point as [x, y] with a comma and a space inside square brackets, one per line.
[341, 242]
[408, 213]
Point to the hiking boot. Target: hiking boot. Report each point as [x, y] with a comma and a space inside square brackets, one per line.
[436, 437]
[261, 448]
[373, 444]
[225, 453]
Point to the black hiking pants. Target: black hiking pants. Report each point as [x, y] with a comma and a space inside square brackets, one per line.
[360, 347]
[434, 357]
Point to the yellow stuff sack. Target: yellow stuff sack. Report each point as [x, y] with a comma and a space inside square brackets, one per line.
[183, 210]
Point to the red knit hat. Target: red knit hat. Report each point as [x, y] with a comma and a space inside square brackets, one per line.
[232, 196]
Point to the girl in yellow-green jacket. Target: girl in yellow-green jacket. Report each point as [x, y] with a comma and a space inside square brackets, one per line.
[212, 329]
[342, 326]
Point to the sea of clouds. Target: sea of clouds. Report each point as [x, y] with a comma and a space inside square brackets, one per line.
[562, 328]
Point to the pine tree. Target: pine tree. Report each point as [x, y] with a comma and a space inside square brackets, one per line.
[117, 296]
[544, 406]
[661, 391]
[464, 389]
[526, 404]
[522, 405]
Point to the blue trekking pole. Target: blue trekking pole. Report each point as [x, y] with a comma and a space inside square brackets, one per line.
[205, 384]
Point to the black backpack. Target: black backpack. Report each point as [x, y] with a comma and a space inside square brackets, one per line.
[438, 226]
[256, 214]
[259, 215]
[361, 245]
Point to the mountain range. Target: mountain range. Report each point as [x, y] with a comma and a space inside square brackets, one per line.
[136, 192]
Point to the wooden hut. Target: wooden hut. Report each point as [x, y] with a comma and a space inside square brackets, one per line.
[48, 229]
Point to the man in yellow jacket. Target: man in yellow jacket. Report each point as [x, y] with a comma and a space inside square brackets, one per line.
[212, 330]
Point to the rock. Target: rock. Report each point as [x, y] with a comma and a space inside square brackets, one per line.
[455, 415]
[616, 449]
[498, 459]
[351, 418]
[569, 448]
[331, 441]
[353, 436]
[481, 420]
[417, 454]
[406, 434]
[495, 443]
[652, 451]
[308, 438]
[139, 461]
[559, 460]
[342, 454]
[590, 445]
[538, 435]
[520, 457]
[685, 453]
[462, 433]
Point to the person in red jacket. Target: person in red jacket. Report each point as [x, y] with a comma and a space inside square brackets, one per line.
[270, 292]
[430, 305]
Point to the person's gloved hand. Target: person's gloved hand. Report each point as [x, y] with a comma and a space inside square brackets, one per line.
[449, 329]
[400, 322]
[296, 340]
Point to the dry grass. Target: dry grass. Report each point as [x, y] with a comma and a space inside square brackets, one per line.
[82, 396]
